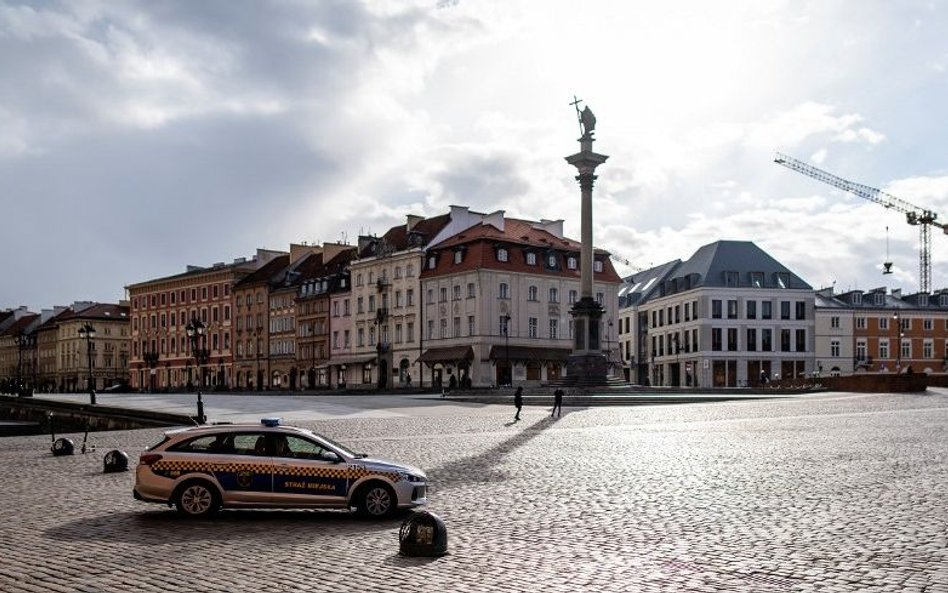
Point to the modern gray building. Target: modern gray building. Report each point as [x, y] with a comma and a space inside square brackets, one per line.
[728, 316]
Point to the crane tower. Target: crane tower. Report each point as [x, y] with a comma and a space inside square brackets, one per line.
[915, 216]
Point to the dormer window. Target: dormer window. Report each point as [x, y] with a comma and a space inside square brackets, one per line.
[531, 259]
[571, 263]
[757, 279]
[597, 265]
[502, 254]
[551, 260]
[783, 280]
[857, 298]
[731, 278]
[432, 261]
[458, 256]
[879, 299]
[943, 300]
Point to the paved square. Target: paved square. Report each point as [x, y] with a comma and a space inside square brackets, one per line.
[835, 492]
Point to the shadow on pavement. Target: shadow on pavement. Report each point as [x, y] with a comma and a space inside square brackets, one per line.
[162, 527]
[482, 468]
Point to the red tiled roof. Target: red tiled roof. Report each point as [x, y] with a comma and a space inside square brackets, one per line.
[20, 325]
[397, 237]
[264, 273]
[100, 311]
[518, 236]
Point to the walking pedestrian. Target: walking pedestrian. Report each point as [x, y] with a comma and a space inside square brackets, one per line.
[518, 402]
[557, 402]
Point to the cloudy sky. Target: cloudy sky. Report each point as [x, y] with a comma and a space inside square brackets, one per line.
[139, 137]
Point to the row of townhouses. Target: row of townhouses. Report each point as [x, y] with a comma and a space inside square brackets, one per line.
[467, 298]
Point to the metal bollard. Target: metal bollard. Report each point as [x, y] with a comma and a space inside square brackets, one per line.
[63, 446]
[115, 461]
[423, 534]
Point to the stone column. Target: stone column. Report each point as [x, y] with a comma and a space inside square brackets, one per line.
[587, 364]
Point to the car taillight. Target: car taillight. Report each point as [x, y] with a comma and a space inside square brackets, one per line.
[148, 458]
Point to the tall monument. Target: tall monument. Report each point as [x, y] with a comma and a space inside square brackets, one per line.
[587, 364]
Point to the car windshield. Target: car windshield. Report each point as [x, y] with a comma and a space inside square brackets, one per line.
[338, 447]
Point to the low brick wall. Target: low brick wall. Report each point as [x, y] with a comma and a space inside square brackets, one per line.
[878, 383]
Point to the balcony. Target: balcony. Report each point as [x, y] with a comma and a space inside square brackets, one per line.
[381, 315]
[382, 284]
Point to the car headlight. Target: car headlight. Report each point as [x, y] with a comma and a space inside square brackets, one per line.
[410, 477]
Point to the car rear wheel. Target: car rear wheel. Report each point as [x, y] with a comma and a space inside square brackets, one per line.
[376, 500]
[197, 499]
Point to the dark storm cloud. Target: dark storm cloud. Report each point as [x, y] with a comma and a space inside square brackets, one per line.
[141, 137]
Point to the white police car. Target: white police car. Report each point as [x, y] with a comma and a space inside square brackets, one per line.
[203, 468]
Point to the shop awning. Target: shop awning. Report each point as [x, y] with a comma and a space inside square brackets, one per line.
[447, 354]
[529, 354]
[353, 359]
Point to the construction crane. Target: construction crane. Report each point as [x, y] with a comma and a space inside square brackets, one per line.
[915, 216]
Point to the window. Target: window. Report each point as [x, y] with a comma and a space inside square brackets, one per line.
[857, 298]
[732, 339]
[597, 265]
[470, 290]
[687, 311]
[360, 339]
[716, 312]
[430, 296]
[783, 280]
[532, 324]
[906, 324]
[571, 263]
[785, 340]
[861, 350]
[443, 294]
[766, 311]
[678, 313]
[801, 310]
[470, 325]
[458, 256]
[572, 296]
[801, 340]
[766, 340]
[784, 309]
[878, 299]
[554, 295]
[927, 325]
[883, 323]
[551, 261]
[502, 254]
[398, 300]
[906, 348]
[410, 332]
[345, 339]
[359, 305]
[834, 348]
[757, 279]
[600, 297]
[345, 307]
[398, 272]
[554, 328]
[751, 309]
[410, 271]
[398, 333]
[531, 259]
[884, 348]
[504, 325]
[503, 292]
[716, 339]
[732, 309]
[731, 278]
[371, 303]
[834, 322]
[928, 349]
[751, 345]
[443, 326]
[431, 329]
[532, 293]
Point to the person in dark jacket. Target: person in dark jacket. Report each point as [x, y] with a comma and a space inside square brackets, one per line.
[557, 402]
[518, 401]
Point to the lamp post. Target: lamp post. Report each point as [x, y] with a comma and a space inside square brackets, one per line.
[507, 348]
[87, 333]
[898, 339]
[151, 359]
[196, 331]
[23, 342]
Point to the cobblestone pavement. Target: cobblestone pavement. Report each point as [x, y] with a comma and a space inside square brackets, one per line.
[835, 492]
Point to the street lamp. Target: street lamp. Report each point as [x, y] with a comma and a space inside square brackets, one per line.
[87, 333]
[196, 331]
[507, 348]
[898, 346]
[23, 342]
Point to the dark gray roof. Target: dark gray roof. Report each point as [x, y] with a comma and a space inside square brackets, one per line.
[736, 264]
[712, 261]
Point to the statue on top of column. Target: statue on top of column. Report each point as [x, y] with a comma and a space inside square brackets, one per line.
[587, 121]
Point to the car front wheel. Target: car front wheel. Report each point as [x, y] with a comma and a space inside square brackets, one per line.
[376, 500]
[197, 499]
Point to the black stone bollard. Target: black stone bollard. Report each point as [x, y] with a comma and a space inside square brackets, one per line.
[63, 446]
[423, 534]
[115, 461]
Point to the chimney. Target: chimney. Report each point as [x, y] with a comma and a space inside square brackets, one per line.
[413, 219]
[554, 227]
[495, 219]
[897, 293]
